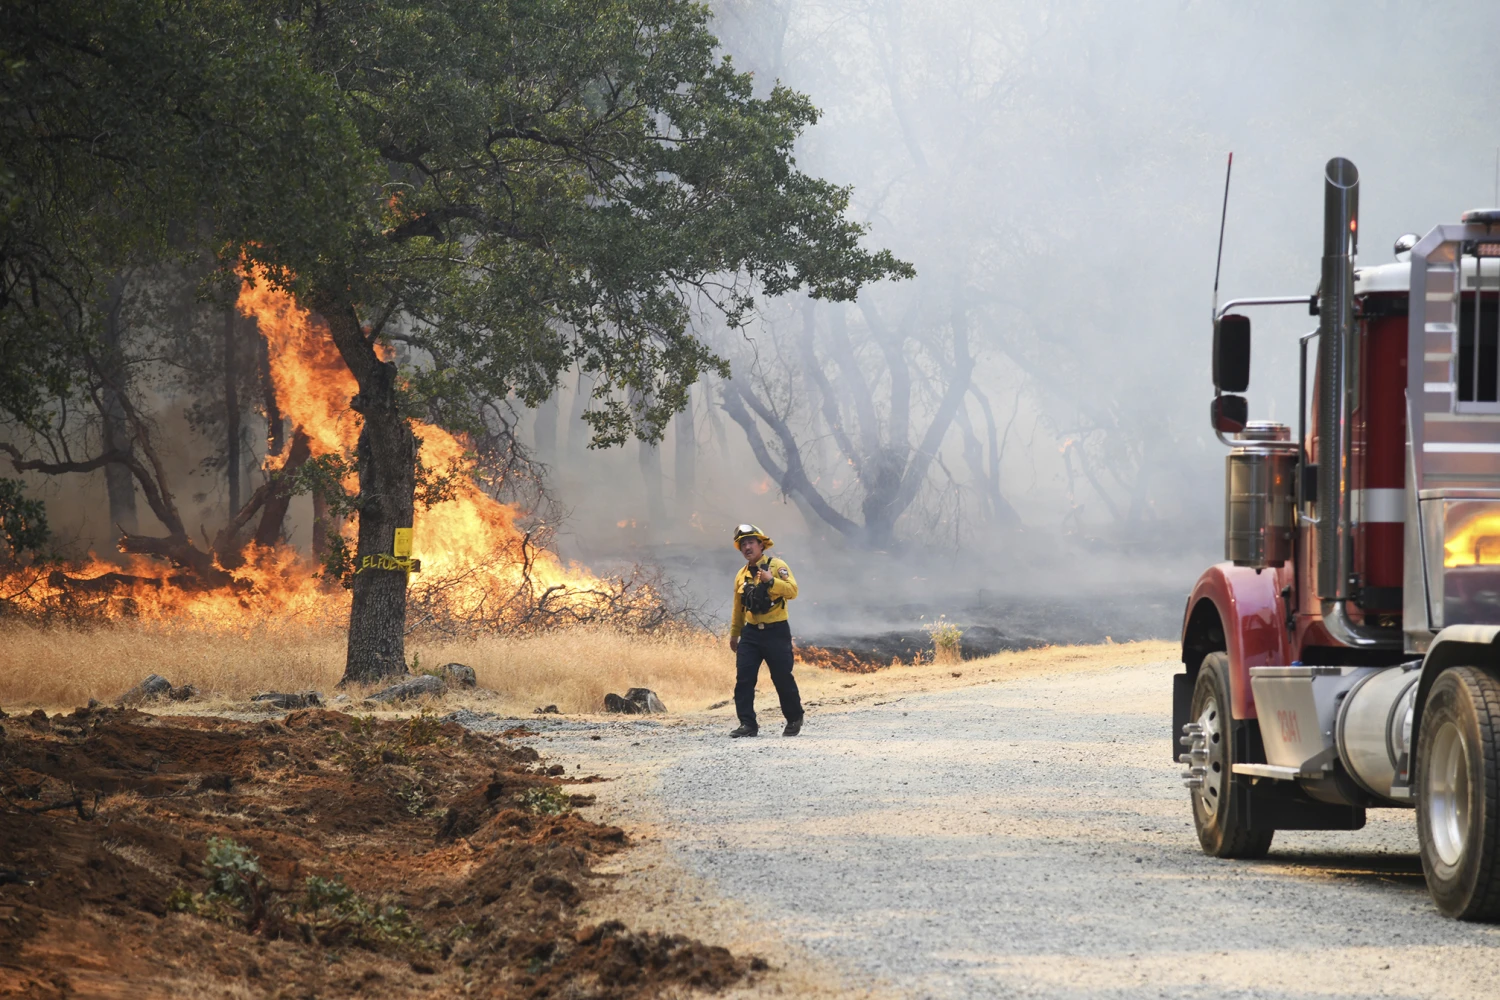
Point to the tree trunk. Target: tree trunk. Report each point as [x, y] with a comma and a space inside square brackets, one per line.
[231, 410]
[387, 455]
[1004, 511]
[275, 428]
[182, 552]
[119, 482]
[650, 462]
[648, 456]
[882, 503]
[270, 500]
[319, 526]
[545, 428]
[386, 463]
[279, 494]
[578, 431]
[974, 458]
[685, 457]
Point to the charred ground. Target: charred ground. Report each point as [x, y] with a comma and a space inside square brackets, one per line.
[998, 624]
[321, 854]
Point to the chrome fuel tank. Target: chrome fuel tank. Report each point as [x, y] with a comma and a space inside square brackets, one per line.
[1259, 498]
[1374, 730]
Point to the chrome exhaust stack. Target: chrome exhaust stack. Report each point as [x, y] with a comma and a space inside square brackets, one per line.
[1335, 335]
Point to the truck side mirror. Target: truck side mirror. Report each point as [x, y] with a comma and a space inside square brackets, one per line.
[1229, 414]
[1232, 353]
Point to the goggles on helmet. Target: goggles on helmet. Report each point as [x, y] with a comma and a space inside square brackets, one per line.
[745, 531]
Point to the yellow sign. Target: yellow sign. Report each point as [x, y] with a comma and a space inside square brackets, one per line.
[402, 548]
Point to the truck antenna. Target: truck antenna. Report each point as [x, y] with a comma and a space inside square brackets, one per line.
[1223, 214]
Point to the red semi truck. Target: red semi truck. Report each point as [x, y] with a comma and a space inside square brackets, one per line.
[1346, 654]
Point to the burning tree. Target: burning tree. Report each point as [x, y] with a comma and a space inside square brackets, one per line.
[591, 174]
[494, 192]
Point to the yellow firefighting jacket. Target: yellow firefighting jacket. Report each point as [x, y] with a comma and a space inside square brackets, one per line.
[783, 589]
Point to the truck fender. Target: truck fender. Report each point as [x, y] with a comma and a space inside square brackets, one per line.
[1455, 646]
[1241, 612]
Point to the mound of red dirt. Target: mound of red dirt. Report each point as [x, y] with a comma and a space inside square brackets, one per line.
[320, 855]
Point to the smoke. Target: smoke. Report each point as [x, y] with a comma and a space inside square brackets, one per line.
[1054, 172]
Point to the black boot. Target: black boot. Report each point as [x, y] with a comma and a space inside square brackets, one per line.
[745, 730]
[793, 727]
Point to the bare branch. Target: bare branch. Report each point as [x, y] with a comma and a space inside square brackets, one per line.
[792, 479]
[57, 468]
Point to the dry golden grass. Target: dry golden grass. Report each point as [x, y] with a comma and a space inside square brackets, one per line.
[574, 669]
[62, 667]
[59, 668]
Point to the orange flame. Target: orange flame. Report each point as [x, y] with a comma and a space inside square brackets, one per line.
[313, 386]
[843, 660]
[473, 554]
[466, 538]
[1476, 543]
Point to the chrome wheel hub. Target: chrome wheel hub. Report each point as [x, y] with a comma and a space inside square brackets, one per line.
[1447, 794]
[1206, 759]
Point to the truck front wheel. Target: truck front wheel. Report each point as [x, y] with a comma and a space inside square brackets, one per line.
[1458, 793]
[1223, 827]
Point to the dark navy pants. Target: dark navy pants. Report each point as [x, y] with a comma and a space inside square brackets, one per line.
[773, 645]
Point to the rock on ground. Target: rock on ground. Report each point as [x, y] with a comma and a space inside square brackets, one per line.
[154, 688]
[282, 699]
[637, 701]
[412, 687]
[646, 699]
[459, 675]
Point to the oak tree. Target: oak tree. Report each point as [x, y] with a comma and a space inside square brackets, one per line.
[560, 184]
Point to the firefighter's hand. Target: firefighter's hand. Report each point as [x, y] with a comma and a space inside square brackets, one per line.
[765, 576]
[734, 644]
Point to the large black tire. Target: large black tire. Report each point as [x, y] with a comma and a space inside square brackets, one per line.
[1223, 829]
[1458, 793]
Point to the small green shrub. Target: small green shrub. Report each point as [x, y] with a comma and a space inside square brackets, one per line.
[182, 900]
[332, 913]
[550, 801]
[233, 873]
[360, 751]
[237, 888]
[946, 640]
[423, 729]
[413, 798]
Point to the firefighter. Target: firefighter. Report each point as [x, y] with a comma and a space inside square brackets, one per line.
[760, 631]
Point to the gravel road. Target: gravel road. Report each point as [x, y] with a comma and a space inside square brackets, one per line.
[1027, 838]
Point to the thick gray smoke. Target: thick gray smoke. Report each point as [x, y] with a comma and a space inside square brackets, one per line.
[1054, 172]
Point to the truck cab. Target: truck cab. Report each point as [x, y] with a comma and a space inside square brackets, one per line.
[1346, 653]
